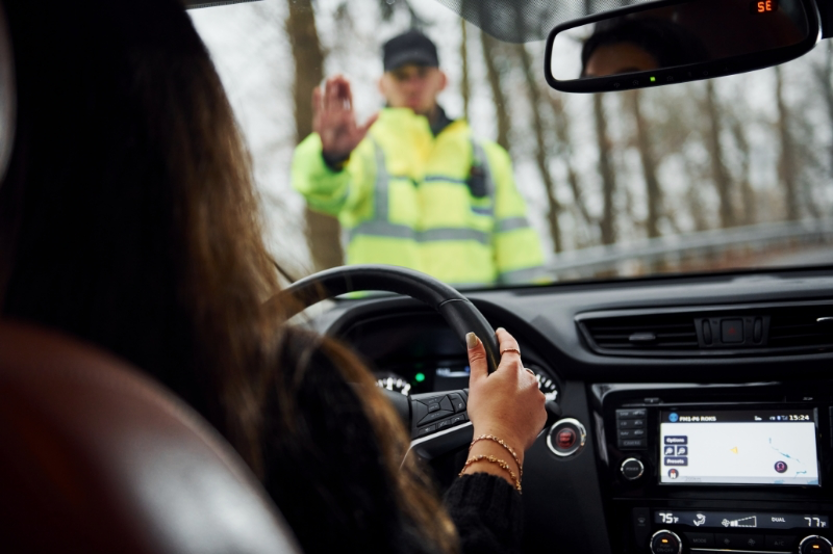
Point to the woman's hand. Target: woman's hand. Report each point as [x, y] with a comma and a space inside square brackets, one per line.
[506, 404]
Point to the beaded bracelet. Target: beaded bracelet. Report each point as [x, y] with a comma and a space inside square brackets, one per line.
[504, 445]
[491, 459]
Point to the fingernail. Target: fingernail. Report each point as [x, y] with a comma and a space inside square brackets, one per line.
[499, 329]
[471, 340]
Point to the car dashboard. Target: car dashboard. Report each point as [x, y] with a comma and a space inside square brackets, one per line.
[672, 392]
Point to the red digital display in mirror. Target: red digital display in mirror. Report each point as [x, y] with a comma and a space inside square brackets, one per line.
[763, 6]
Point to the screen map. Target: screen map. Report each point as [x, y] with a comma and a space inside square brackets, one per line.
[738, 447]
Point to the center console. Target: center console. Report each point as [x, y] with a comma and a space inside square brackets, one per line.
[717, 468]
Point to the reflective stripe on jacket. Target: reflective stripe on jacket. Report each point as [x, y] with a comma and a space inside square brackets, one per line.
[404, 198]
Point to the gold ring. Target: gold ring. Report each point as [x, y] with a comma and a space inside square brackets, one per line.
[505, 350]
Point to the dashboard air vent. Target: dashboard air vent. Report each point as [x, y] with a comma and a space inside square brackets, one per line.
[772, 329]
[659, 332]
[801, 327]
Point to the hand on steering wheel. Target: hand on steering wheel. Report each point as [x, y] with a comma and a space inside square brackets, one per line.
[507, 403]
[447, 427]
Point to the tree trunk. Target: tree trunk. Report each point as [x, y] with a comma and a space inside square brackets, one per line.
[322, 231]
[565, 153]
[464, 78]
[750, 211]
[824, 74]
[721, 177]
[541, 157]
[653, 191]
[490, 53]
[787, 167]
[606, 224]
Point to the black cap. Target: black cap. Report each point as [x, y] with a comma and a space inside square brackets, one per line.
[410, 47]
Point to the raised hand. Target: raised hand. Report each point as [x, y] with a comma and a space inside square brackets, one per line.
[334, 119]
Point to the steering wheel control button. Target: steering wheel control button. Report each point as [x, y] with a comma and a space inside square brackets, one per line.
[632, 469]
[426, 430]
[666, 542]
[432, 417]
[458, 419]
[815, 544]
[700, 540]
[435, 407]
[566, 437]
[458, 403]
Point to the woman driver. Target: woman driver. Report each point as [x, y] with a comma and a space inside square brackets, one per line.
[128, 219]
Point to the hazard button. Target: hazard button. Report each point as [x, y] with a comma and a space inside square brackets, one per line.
[731, 331]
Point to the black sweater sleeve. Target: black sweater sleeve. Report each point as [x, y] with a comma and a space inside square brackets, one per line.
[488, 513]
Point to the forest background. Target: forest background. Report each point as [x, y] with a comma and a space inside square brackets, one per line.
[740, 152]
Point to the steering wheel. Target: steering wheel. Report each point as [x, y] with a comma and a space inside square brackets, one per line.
[437, 421]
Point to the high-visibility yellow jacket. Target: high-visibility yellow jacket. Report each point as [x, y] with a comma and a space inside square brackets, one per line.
[405, 197]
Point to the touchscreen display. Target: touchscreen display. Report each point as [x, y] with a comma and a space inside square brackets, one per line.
[738, 447]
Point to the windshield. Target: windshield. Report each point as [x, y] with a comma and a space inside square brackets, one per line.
[483, 176]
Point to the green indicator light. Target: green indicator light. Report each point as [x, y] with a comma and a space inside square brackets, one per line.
[653, 79]
[420, 377]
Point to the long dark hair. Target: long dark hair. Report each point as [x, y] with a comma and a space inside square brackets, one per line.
[128, 219]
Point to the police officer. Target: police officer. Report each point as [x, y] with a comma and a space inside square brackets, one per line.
[410, 186]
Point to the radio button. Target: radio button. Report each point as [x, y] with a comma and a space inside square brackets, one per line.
[633, 444]
[631, 414]
[631, 433]
[631, 423]
[632, 469]
[700, 540]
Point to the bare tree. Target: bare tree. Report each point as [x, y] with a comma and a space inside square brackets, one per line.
[787, 167]
[564, 151]
[464, 78]
[491, 52]
[720, 175]
[653, 191]
[606, 224]
[823, 73]
[322, 231]
[750, 209]
[541, 154]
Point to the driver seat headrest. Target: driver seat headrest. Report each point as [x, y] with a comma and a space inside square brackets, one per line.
[96, 457]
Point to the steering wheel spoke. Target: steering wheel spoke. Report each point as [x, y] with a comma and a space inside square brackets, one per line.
[438, 422]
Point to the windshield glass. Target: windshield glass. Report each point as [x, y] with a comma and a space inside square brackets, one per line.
[461, 162]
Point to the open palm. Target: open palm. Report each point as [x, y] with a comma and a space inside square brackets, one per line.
[334, 119]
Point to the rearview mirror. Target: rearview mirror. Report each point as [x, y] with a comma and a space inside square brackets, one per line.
[673, 41]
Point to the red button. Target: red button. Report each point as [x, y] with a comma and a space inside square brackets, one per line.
[566, 438]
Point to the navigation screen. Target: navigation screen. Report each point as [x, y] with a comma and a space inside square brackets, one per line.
[738, 447]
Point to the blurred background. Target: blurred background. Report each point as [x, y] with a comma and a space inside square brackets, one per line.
[730, 173]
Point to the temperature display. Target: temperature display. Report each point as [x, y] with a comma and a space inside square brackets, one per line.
[763, 6]
[740, 520]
